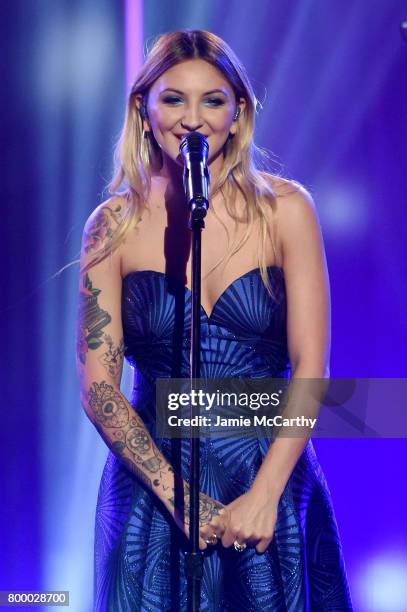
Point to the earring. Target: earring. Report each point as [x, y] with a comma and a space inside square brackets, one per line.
[143, 110]
[144, 148]
[237, 114]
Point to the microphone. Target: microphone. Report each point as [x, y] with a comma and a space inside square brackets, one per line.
[403, 28]
[194, 151]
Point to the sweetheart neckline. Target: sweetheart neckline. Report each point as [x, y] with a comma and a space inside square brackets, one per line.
[227, 288]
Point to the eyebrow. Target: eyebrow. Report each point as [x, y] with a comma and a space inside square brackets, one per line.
[204, 94]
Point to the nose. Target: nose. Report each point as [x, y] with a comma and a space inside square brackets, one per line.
[192, 119]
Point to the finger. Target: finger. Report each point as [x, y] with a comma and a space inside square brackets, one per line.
[263, 545]
[224, 517]
[228, 538]
[205, 534]
[252, 542]
[221, 530]
[218, 526]
[216, 520]
[202, 544]
[224, 513]
[210, 535]
[222, 521]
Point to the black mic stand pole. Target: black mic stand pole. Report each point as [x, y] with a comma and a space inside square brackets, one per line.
[194, 557]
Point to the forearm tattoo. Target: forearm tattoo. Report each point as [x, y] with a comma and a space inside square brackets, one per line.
[119, 425]
[108, 406]
[129, 437]
[112, 359]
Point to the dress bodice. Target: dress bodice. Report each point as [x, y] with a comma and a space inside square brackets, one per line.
[244, 336]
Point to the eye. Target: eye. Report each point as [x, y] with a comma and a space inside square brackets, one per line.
[214, 101]
[172, 100]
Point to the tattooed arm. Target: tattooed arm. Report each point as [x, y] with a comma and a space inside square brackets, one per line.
[100, 351]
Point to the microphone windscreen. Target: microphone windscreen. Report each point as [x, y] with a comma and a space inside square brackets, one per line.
[194, 142]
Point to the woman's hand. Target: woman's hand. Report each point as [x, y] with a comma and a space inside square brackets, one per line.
[213, 518]
[252, 520]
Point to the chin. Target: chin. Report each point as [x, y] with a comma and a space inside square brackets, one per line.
[172, 158]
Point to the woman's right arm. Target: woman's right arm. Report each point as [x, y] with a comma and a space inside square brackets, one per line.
[100, 350]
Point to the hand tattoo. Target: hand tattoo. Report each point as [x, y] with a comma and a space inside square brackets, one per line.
[208, 507]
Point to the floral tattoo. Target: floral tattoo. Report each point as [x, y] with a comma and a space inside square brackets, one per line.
[113, 358]
[103, 227]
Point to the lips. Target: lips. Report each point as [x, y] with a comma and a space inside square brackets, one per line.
[181, 136]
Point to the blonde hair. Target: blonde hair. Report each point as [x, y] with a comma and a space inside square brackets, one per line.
[137, 153]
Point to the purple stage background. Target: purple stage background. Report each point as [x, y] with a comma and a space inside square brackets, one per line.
[332, 80]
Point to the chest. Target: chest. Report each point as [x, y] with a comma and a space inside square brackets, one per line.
[163, 244]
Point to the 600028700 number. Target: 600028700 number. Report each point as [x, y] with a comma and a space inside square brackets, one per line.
[32, 598]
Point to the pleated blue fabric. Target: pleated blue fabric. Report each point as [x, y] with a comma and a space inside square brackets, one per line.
[139, 551]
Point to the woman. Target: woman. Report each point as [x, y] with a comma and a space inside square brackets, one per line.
[267, 526]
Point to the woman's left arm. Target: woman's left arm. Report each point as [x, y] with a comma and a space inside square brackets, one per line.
[253, 515]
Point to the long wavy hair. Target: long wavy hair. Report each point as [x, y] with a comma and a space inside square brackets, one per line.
[137, 152]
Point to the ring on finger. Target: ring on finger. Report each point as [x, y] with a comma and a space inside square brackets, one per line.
[239, 547]
[212, 539]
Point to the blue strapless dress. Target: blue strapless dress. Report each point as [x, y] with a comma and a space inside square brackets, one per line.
[139, 551]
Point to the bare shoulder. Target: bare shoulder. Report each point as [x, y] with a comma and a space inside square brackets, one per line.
[301, 234]
[289, 194]
[293, 212]
[293, 204]
[100, 248]
[102, 223]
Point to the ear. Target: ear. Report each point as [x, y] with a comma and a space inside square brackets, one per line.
[141, 104]
[241, 105]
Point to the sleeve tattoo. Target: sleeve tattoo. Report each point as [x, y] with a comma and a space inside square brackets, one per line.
[128, 433]
[102, 228]
[92, 321]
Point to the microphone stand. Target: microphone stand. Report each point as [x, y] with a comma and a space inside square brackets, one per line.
[196, 179]
[194, 558]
